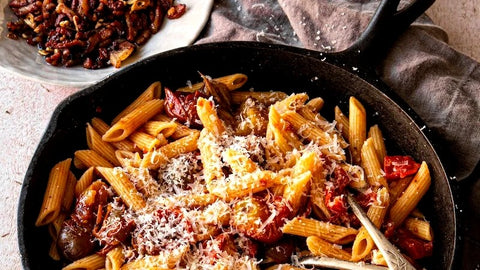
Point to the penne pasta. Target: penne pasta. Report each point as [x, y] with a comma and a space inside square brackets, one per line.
[211, 162]
[156, 158]
[95, 143]
[342, 123]
[208, 115]
[248, 184]
[238, 162]
[88, 158]
[163, 261]
[420, 228]
[315, 104]
[296, 190]
[101, 127]
[130, 122]
[123, 187]
[320, 247]
[323, 124]
[281, 137]
[85, 180]
[167, 128]
[69, 193]
[370, 163]
[398, 187]
[332, 233]
[180, 130]
[363, 244]
[152, 92]
[378, 142]
[52, 200]
[92, 262]
[411, 196]
[306, 129]
[232, 82]
[146, 142]
[357, 128]
[114, 259]
[128, 159]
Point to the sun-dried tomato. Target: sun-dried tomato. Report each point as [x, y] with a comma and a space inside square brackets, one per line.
[397, 167]
[183, 107]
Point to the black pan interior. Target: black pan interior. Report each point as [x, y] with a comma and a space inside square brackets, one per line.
[269, 68]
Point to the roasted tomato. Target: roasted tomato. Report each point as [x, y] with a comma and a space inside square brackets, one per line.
[88, 202]
[412, 246]
[335, 198]
[75, 238]
[260, 218]
[397, 167]
[114, 229]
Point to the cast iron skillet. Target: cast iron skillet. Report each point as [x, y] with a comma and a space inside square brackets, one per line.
[269, 67]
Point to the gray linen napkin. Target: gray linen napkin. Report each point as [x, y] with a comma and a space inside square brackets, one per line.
[439, 83]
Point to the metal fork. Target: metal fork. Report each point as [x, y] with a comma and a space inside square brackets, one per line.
[391, 254]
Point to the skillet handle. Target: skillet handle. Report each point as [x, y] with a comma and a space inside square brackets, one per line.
[386, 25]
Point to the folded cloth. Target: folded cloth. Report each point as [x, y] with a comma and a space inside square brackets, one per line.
[439, 83]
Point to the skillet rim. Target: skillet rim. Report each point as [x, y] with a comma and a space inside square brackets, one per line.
[366, 75]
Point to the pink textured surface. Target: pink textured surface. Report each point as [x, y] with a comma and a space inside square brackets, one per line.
[25, 109]
[461, 20]
[26, 106]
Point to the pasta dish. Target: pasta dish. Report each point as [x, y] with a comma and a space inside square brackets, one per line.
[213, 176]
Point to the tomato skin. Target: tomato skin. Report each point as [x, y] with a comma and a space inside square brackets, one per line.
[396, 167]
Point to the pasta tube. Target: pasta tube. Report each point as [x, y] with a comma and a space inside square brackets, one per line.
[411, 196]
[152, 92]
[332, 233]
[52, 200]
[130, 122]
[320, 247]
[123, 187]
[357, 128]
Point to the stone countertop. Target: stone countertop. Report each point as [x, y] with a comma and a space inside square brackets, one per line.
[25, 114]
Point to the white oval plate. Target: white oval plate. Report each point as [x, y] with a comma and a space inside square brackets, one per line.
[19, 57]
